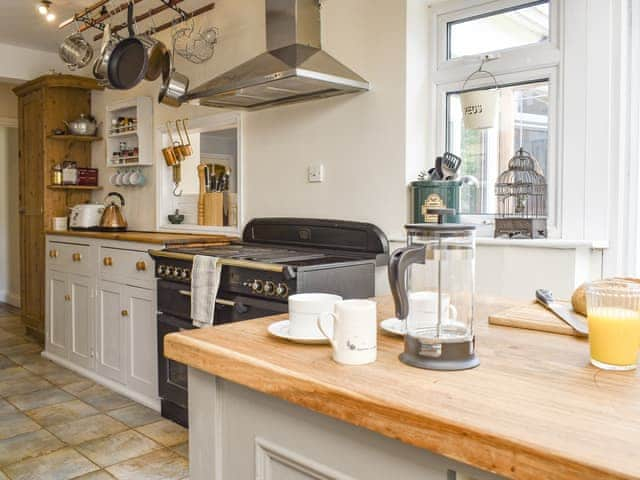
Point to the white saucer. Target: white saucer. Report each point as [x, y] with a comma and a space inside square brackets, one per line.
[394, 326]
[281, 330]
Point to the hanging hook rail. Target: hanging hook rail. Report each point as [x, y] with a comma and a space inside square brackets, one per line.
[98, 22]
[148, 14]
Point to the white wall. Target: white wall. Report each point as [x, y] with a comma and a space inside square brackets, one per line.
[9, 219]
[19, 64]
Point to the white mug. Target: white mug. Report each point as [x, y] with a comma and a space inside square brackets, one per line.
[423, 309]
[354, 338]
[113, 179]
[304, 311]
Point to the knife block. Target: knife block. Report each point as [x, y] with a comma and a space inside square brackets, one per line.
[213, 209]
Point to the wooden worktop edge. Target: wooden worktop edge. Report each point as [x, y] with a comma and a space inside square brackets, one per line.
[456, 441]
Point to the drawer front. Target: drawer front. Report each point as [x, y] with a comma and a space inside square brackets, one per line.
[68, 257]
[127, 266]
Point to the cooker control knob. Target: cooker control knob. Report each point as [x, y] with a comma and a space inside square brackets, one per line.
[161, 270]
[269, 288]
[177, 272]
[169, 271]
[282, 290]
[257, 286]
[185, 273]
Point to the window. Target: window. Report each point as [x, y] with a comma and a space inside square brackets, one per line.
[519, 38]
[513, 27]
[523, 122]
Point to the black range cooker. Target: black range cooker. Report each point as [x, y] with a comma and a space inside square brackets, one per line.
[276, 257]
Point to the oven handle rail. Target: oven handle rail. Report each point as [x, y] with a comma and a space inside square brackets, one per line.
[287, 271]
[219, 301]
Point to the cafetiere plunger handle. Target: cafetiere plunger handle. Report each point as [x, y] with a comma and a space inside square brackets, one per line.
[441, 213]
[398, 264]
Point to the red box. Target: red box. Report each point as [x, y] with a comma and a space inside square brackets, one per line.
[88, 177]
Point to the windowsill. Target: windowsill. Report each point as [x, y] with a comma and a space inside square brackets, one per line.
[554, 243]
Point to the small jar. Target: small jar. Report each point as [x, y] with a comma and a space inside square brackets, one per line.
[56, 175]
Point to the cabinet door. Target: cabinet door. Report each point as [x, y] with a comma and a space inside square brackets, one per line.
[57, 334]
[112, 333]
[31, 173]
[81, 320]
[142, 370]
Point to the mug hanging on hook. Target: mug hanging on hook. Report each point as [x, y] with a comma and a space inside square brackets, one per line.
[480, 107]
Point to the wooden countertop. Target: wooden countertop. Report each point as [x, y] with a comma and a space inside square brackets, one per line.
[160, 238]
[534, 409]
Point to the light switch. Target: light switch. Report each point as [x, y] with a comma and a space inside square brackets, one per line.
[315, 173]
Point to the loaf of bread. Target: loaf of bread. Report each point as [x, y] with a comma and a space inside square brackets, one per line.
[579, 298]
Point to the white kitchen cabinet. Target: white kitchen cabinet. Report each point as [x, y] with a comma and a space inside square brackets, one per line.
[101, 313]
[142, 364]
[56, 335]
[81, 305]
[112, 332]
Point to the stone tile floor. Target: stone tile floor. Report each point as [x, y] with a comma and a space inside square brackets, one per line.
[58, 425]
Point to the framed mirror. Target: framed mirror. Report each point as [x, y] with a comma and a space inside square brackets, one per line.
[202, 193]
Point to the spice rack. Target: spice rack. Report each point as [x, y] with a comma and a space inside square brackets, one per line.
[129, 133]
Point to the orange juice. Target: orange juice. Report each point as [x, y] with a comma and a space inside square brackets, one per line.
[614, 335]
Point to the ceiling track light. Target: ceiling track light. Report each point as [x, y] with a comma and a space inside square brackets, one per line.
[44, 8]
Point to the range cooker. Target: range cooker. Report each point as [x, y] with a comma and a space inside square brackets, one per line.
[276, 258]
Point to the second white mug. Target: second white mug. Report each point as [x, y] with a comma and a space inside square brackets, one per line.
[354, 337]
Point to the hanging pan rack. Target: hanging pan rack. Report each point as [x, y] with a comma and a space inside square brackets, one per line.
[89, 20]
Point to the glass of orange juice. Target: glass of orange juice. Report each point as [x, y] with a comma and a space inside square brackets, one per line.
[613, 313]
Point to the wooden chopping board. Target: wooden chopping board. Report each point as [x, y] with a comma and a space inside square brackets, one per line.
[531, 317]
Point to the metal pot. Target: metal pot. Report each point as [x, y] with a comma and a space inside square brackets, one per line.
[101, 67]
[82, 126]
[159, 57]
[174, 84]
[75, 51]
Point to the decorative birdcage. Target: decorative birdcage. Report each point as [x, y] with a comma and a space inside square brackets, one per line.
[521, 193]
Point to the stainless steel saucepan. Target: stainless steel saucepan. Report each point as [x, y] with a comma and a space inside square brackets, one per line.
[174, 85]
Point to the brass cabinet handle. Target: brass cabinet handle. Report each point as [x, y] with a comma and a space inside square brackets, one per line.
[124, 313]
[53, 253]
[141, 266]
[76, 257]
[67, 298]
[108, 261]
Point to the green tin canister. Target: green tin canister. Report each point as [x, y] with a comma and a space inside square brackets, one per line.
[435, 194]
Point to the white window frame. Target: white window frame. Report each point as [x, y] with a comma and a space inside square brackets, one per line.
[164, 182]
[521, 64]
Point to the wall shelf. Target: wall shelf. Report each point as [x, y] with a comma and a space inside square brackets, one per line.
[140, 108]
[73, 187]
[75, 138]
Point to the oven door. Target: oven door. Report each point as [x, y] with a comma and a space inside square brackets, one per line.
[172, 381]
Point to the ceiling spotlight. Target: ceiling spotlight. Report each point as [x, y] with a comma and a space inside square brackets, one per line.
[43, 7]
[50, 17]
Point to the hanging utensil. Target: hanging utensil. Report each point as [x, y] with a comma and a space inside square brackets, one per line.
[185, 148]
[174, 85]
[157, 53]
[177, 179]
[129, 61]
[101, 66]
[169, 153]
[450, 165]
[75, 51]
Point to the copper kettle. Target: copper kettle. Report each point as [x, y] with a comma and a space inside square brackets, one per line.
[112, 217]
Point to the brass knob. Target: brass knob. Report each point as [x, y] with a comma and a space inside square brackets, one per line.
[124, 313]
[141, 266]
[55, 254]
[51, 253]
[76, 257]
[108, 261]
[67, 298]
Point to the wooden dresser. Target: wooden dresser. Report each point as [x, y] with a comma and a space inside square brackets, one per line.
[43, 105]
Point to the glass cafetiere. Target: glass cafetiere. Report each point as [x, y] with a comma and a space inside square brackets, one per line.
[432, 281]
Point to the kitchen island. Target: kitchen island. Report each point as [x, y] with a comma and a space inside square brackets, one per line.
[534, 409]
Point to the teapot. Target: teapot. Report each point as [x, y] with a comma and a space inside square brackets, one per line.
[84, 125]
[112, 217]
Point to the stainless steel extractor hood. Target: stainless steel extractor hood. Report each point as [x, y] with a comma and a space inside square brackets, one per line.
[294, 69]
